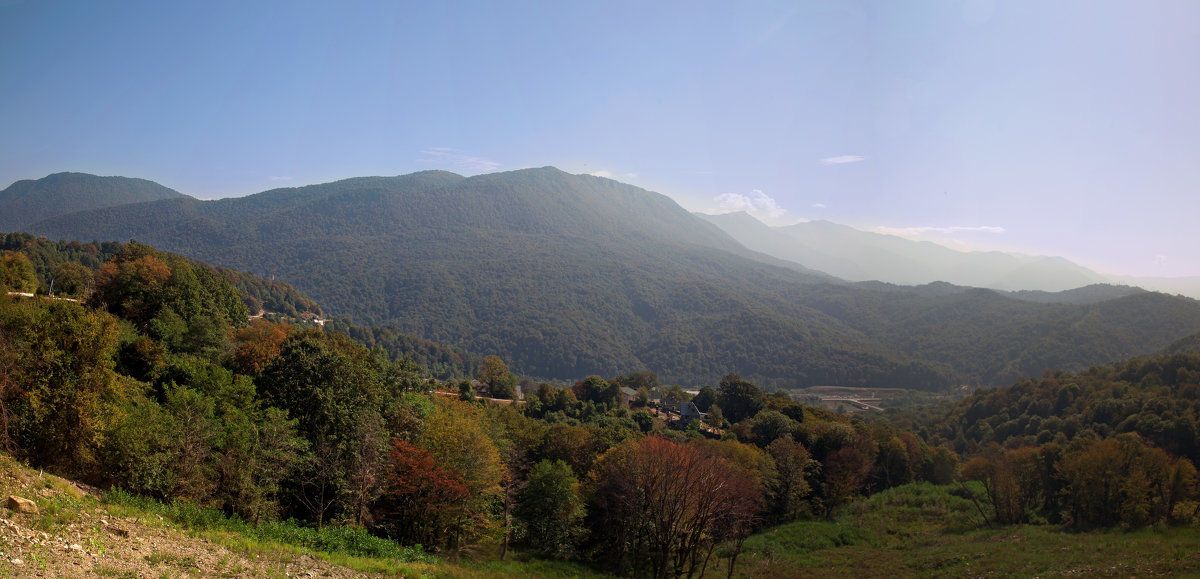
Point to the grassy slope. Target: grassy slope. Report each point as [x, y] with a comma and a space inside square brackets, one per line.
[923, 530]
[80, 531]
[916, 530]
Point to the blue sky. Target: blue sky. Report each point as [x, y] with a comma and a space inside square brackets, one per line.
[1064, 128]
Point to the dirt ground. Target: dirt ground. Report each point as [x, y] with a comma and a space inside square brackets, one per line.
[73, 535]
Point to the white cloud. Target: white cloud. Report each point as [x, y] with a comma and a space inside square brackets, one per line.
[757, 203]
[607, 174]
[458, 160]
[926, 230]
[818, 205]
[842, 159]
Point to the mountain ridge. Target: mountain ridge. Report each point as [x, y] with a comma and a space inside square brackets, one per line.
[568, 275]
[857, 255]
[27, 201]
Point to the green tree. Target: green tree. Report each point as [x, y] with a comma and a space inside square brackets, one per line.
[739, 399]
[457, 437]
[257, 451]
[72, 279]
[550, 510]
[17, 273]
[770, 425]
[330, 386]
[500, 381]
[705, 398]
[790, 489]
[67, 393]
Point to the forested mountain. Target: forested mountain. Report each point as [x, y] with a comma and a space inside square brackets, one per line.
[858, 255]
[1158, 398]
[26, 202]
[152, 383]
[568, 275]
[1083, 295]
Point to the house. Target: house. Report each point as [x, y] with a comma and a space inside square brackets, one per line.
[689, 410]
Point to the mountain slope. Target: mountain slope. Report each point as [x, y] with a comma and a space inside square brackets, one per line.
[26, 202]
[856, 255]
[569, 275]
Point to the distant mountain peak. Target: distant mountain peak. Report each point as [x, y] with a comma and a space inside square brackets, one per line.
[849, 253]
[29, 201]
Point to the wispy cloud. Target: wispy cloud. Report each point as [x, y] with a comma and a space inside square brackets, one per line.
[842, 159]
[605, 173]
[756, 203]
[459, 160]
[818, 205]
[280, 178]
[926, 230]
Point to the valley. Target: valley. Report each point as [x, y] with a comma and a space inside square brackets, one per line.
[503, 393]
[568, 275]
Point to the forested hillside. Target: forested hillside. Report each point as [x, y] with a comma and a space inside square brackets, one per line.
[569, 275]
[26, 202]
[153, 381]
[1115, 444]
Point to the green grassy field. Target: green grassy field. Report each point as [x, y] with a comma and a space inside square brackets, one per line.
[922, 530]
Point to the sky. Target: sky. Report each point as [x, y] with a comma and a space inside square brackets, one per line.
[1056, 128]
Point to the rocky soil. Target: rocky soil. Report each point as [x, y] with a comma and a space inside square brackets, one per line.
[73, 534]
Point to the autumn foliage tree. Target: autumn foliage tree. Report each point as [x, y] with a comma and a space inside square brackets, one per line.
[672, 503]
[423, 502]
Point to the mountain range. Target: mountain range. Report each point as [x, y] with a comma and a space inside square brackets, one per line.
[856, 255]
[568, 275]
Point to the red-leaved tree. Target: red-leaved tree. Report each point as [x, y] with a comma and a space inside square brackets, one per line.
[423, 502]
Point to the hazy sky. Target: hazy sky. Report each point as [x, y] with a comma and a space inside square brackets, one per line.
[1065, 128]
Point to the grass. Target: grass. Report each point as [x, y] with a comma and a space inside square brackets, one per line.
[517, 568]
[109, 571]
[350, 547]
[922, 530]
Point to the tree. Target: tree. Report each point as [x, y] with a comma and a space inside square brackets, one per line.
[1122, 480]
[739, 399]
[17, 273]
[257, 345]
[770, 425]
[423, 502]
[642, 399]
[599, 391]
[258, 450]
[331, 387]
[705, 398]
[845, 470]
[456, 437]
[672, 503]
[793, 467]
[1012, 482]
[550, 509]
[500, 382]
[72, 279]
[716, 417]
[68, 393]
